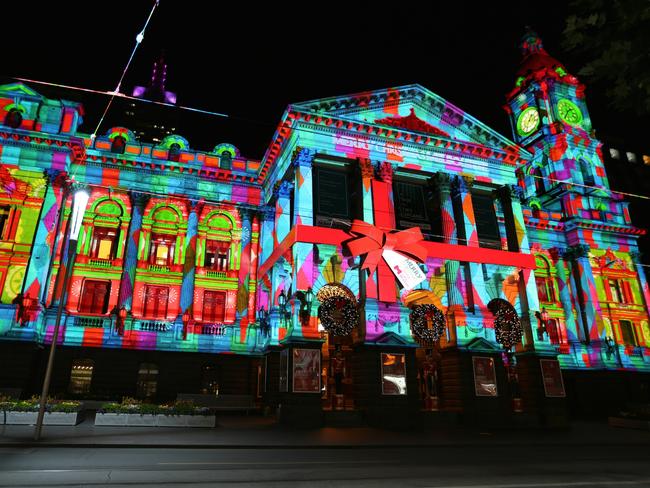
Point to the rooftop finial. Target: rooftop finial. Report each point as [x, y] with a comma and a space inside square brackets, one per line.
[530, 42]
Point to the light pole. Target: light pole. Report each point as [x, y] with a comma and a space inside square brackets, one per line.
[79, 202]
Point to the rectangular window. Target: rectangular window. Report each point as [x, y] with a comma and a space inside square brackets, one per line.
[485, 217]
[161, 249]
[542, 292]
[627, 292]
[416, 206]
[103, 244]
[81, 376]
[467, 289]
[94, 297]
[4, 219]
[627, 330]
[214, 306]
[615, 290]
[336, 197]
[216, 255]
[155, 302]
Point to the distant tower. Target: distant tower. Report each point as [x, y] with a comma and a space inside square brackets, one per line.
[150, 122]
[156, 89]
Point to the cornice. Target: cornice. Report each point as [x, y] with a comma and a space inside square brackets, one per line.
[383, 134]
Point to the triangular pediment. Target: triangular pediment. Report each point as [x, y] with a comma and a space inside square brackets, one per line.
[12, 89]
[411, 108]
[391, 339]
[481, 345]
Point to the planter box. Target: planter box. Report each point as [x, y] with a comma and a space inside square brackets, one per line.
[51, 418]
[629, 423]
[135, 419]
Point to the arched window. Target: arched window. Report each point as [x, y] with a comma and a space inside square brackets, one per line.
[174, 152]
[536, 173]
[81, 376]
[94, 297]
[14, 118]
[118, 146]
[587, 175]
[225, 160]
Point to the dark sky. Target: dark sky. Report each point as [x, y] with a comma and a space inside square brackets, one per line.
[250, 62]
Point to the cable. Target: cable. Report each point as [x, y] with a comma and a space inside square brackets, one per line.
[138, 41]
[121, 95]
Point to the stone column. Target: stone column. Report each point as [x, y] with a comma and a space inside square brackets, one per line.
[303, 187]
[367, 174]
[510, 196]
[282, 193]
[244, 269]
[453, 278]
[138, 204]
[189, 266]
[586, 290]
[48, 228]
[563, 284]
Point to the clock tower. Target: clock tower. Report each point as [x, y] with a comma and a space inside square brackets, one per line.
[549, 117]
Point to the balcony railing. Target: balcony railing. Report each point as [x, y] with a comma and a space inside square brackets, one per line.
[213, 329]
[215, 274]
[154, 326]
[158, 268]
[100, 263]
[93, 322]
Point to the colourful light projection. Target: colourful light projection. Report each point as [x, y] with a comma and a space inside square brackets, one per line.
[181, 249]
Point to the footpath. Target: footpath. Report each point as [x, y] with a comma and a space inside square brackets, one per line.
[256, 432]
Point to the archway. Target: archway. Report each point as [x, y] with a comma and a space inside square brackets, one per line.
[338, 316]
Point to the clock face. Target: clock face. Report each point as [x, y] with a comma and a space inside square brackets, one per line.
[569, 112]
[528, 121]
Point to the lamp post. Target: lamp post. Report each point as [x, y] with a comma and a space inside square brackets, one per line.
[282, 303]
[79, 202]
[263, 317]
[543, 323]
[186, 320]
[121, 317]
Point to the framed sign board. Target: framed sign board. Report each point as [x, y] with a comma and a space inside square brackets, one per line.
[485, 377]
[306, 371]
[552, 377]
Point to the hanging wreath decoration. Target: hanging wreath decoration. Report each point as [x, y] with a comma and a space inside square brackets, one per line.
[338, 315]
[507, 327]
[427, 323]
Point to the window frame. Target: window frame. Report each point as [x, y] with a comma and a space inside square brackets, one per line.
[92, 309]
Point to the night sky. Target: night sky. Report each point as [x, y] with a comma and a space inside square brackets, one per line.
[251, 62]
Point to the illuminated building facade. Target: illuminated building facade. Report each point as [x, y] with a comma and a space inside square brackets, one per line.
[286, 278]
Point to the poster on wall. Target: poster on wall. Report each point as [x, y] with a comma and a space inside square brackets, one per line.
[284, 371]
[393, 374]
[306, 371]
[552, 376]
[485, 378]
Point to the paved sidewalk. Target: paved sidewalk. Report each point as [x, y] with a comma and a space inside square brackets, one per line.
[239, 432]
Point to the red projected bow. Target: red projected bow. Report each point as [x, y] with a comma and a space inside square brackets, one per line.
[372, 242]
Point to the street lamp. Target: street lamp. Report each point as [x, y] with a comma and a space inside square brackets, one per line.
[121, 317]
[186, 320]
[263, 317]
[79, 202]
[543, 323]
[282, 304]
